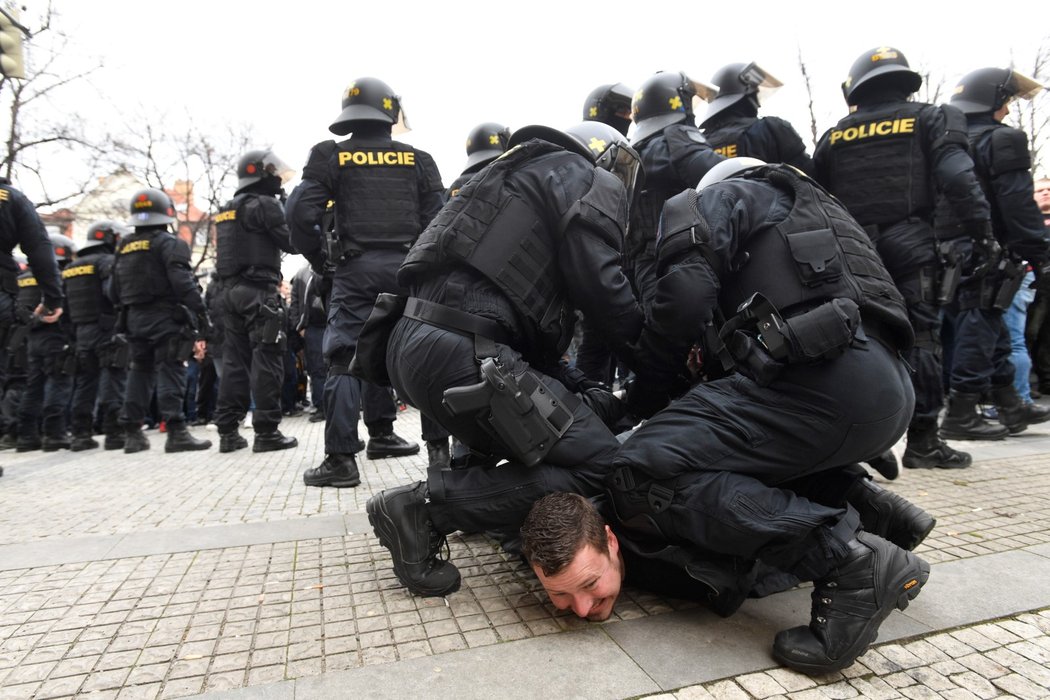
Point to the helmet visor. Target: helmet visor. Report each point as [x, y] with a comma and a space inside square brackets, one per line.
[273, 165]
[1025, 88]
[622, 161]
[757, 77]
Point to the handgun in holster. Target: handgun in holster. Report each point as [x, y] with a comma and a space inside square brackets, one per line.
[521, 411]
[270, 325]
[119, 352]
[1010, 274]
[952, 258]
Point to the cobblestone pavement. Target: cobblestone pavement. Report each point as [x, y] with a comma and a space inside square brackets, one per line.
[183, 619]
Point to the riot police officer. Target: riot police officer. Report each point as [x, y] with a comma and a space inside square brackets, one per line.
[887, 161]
[385, 194]
[485, 142]
[101, 369]
[609, 104]
[674, 155]
[732, 125]
[799, 329]
[981, 354]
[251, 233]
[494, 281]
[307, 316]
[161, 316]
[49, 364]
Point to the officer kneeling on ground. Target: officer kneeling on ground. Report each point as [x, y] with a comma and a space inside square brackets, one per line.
[162, 312]
[774, 282]
[495, 281]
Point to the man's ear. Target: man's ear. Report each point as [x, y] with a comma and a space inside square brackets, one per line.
[614, 544]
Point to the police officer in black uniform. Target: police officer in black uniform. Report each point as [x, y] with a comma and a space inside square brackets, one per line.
[21, 226]
[50, 363]
[485, 143]
[675, 155]
[307, 316]
[732, 125]
[887, 161]
[385, 194]
[163, 312]
[102, 360]
[494, 284]
[981, 354]
[791, 300]
[251, 233]
[609, 104]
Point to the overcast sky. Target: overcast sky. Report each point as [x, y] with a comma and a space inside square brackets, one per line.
[283, 66]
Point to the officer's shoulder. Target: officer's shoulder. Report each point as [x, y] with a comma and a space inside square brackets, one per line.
[323, 150]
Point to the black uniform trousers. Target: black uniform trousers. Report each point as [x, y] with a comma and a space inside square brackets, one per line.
[12, 378]
[150, 329]
[98, 382]
[981, 356]
[424, 361]
[251, 369]
[313, 356]
[45, 399]
[357, 283]
[720, 468]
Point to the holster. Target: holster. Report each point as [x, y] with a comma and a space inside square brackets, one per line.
[119, 352]
[338, 249]
[63, 363]
[952, 257]
[269, 326]
[1010, 275]
[369, 361]
[178, 348]
[16, 346]
[520, 411]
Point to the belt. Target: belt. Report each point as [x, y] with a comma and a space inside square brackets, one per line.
[454, 320]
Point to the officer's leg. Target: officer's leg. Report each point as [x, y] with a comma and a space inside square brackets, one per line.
[32, 400]
[170, 363]
[269, 349]
[137, 396]
[976, 335]
[1014, 413]
[89, 378]
[235, 387]
[315, 365]
[57, 392]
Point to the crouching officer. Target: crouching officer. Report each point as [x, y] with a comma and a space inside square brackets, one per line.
[50, 363]
[981, 358]
[102, 359]
[251, 234]
[494, 283]
[163, 311]
[776, 284]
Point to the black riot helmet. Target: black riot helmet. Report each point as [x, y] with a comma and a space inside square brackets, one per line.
[665, 99]
[262, 166]
[609, 104]
[65, 248]
[104, 234]
[599, 143]
[737, 82]
[369, 100]
[151, 207]
[730, 167]
[883, 66]
[988, 89]
[485, 142]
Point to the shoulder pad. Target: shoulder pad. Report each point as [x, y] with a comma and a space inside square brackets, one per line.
[683, 133]
[178, 251]
[432, 176]
[605, 204]
[272, 212]
[955, 128]
[317, 163]
[1009, 150]
[682, 227]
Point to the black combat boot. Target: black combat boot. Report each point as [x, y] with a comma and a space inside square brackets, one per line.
[888, 515]
[231, 441]
[399, 519]
[317, 416]
[273, 441]
[83, 442]
[849, 605]
[28, 443]
[1014, 413]
[113, 441]
[390, 445]
[337, 469]
[54, 443]
[180, 440]
[963, 422]
[885, 464]
[135, 440]
[8, 441]
[437, 454]
[927, 451]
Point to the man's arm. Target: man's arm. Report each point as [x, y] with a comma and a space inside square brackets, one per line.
[35, 243]
[306, 205]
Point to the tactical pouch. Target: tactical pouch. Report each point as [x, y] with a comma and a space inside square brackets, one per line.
[1011, 276]
[824, 332]
[178, 348]
[369, 361]
[520, 411]
[119, 352]
[269, 326]
[88, 362]
[66, 364]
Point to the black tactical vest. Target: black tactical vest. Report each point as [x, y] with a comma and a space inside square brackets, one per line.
[877, 165]
[816, 254]
[140, 269]
[238, 249]
[377, 195]
[490, 229]
[729, 140]
[86, 301]
[29, 296]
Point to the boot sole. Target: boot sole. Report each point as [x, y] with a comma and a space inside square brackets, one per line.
[384, 454]
[383, 527]
[967, 436]
[188, 448]
[226, 450]
[909, 585]
[336, 483]
[275, 448]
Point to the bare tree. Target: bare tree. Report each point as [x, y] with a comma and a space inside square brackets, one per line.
[932, 91]
[37, 132]
[809, 95]
[1033, 116]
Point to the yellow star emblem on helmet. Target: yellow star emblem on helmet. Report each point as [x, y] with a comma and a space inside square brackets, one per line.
[494, 139]
[593, 112]
[388, 103]
[675, 103]
[597, 145]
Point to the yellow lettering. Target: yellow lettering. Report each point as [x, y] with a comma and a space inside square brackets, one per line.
[883, 128]
[4, 195]
[226, 216]
[729, 150]
[907, 125]
[78, 271]
[376, 158]
[27, 282]
[134, 246]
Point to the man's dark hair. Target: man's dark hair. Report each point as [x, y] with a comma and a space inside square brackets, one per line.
[557, 527]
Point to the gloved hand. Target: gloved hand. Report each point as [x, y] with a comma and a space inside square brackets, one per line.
[605, 404]
[644, 399]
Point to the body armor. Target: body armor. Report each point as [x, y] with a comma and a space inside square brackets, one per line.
[240, 249]
[28, 297]
[85, 295]
[140, 269]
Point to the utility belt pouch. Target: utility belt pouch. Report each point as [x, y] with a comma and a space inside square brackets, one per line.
[17, 338]
[338, 249]
[119, 352]
[179, 347]
[270, 325]
[952, 259]
[369, 361]
[67, 361]
[824, 332]
[521, 411]
[1011, 276]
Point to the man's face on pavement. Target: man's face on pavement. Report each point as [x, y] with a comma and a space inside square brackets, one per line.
[1042, 195]
[590, 584]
